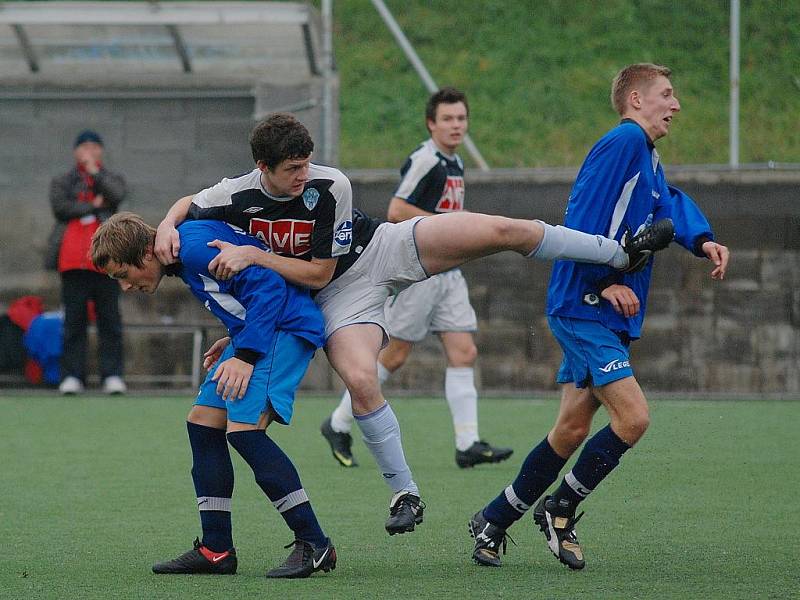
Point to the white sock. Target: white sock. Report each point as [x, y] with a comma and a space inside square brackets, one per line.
[462, 398]
[382, 436]
[560, 242]
[342, 416]
[383, 373]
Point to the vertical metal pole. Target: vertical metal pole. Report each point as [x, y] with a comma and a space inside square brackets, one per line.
[734, 84]
[419, 67]
[327, 83]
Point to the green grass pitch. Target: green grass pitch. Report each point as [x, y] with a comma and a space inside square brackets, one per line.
[94, 490]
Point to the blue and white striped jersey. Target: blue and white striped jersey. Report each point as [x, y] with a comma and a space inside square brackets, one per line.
[254, 303]
[620, 188]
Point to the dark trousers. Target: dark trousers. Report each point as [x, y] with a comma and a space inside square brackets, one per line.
[77, 288]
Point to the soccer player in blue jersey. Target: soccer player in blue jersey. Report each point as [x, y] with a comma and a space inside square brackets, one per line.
[274, 328]
[595, 312]
[432, 182]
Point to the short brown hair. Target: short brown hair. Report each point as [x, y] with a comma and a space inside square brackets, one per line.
[446, 95]
[633, 77]
[124, 239]
[280, 137]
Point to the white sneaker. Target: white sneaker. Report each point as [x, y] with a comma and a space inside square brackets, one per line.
[114, 385]
[70, 386]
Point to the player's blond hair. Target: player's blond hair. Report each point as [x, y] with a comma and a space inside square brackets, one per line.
[636, 76]
[124, 239]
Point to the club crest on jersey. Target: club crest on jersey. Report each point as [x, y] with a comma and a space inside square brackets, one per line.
[310, 198]
[344, 234]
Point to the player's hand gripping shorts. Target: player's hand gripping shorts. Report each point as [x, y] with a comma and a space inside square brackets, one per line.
[272, 385]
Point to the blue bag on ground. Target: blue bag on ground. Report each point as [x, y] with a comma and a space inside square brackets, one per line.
[44, 341]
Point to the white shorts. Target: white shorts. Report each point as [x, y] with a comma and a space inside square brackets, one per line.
[438, 304]
[389, 264]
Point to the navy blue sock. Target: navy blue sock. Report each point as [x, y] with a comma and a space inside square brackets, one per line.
[212, 473]
[276, 475]
[599, 457]
[537, 473]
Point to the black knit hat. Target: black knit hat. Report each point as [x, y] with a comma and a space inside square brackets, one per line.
[87, 135]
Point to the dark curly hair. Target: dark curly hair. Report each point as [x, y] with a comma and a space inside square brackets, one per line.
[280, 137]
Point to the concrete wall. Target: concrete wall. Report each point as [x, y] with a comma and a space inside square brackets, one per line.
[738, 336]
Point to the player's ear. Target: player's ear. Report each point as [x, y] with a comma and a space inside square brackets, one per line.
[635, 99]
[262, 166]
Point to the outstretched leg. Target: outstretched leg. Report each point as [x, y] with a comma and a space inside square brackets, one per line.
[448, 240]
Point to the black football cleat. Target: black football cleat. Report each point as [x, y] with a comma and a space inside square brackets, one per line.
[304, 560]
[481, 452]
[341, 444]
[557, 521]
[489, 541]
[641, 247]
[199, 560]
[405, 513]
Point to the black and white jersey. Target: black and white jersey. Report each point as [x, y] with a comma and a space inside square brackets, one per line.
[432, 180]
[319, 223]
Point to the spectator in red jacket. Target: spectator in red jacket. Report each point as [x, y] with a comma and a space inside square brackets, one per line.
[81, 199]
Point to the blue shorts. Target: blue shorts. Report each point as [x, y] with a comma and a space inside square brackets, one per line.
[593, 354]
[272, 385]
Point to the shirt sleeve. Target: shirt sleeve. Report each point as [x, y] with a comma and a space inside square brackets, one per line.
[212, 203]
[333, 230]
[417, 178]
[691, 224]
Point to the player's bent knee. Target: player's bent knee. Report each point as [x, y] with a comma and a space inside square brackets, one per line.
[634, 427]
[467, 356]
[365, 395]
[571, 435]
[208, 416]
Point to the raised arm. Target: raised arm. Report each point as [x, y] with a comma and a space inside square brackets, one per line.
[168, 242]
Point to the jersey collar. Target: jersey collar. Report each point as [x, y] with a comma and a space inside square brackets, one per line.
[650, 144]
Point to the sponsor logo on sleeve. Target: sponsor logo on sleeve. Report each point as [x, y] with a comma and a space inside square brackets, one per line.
[344, 234]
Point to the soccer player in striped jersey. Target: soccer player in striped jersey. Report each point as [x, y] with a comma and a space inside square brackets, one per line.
[304, 213]
[432, 183]
[594, 313]
[275, 328]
